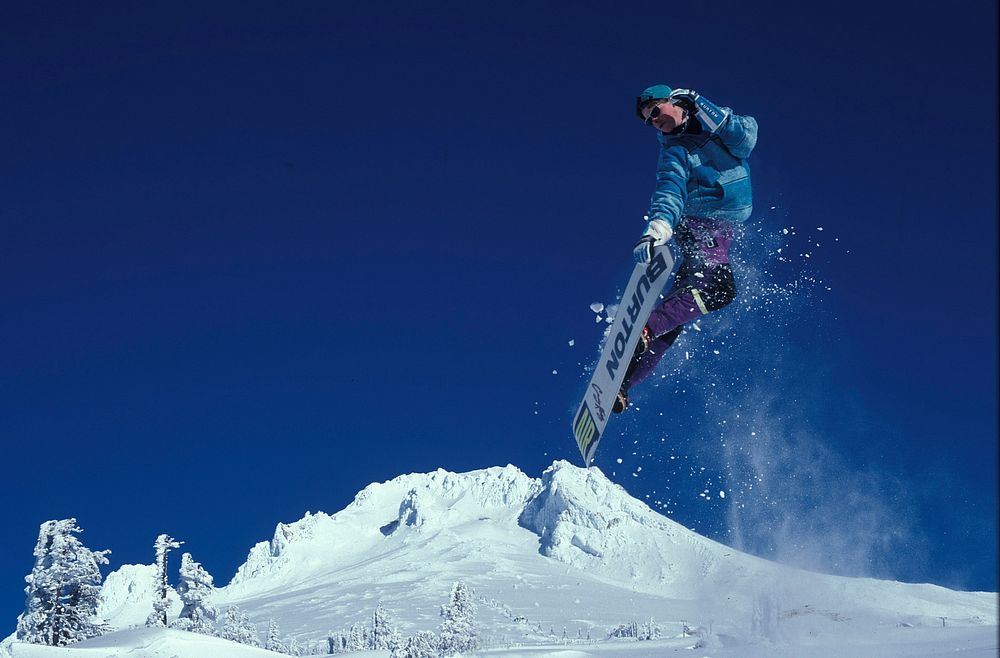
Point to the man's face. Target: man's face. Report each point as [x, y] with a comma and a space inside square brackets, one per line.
[665, 115]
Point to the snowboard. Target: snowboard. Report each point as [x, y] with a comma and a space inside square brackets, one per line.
[638, 300]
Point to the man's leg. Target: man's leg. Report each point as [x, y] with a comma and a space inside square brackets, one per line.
[704, 283]
[640, 368]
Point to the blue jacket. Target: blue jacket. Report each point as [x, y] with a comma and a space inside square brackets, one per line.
[705, 175]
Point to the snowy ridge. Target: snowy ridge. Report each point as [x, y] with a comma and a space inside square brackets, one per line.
[265, 557]
[127, 595]
[126, 592]
[587, 521]
[429, 501]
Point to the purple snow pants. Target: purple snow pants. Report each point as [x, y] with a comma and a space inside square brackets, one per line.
[703, 283]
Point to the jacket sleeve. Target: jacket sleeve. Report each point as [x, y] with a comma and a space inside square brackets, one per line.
[670, 195]
[739, 135]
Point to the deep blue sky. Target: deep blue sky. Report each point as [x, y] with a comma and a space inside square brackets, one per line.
[254, 257]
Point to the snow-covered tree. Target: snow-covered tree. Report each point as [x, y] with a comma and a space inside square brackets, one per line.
[63, 588]
[649, 631]
[162, 546]
[630, 629]
[383, 636]
[357, 638]
[458, 630]
[274, 642]
[336, 642]
[238, 628]
[422, 645]
[195, 588]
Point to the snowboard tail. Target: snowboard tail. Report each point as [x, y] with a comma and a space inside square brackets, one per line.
[637, 302]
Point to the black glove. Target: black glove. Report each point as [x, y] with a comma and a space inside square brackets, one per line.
[685, 99]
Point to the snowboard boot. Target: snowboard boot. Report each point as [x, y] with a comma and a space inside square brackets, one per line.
[621, 400]
[645, 338]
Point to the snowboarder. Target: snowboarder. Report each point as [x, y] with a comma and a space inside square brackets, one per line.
[702, 189]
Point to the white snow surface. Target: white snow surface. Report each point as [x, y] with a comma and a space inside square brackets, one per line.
[554, 563]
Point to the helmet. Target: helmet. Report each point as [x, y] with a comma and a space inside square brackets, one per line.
[650, 93]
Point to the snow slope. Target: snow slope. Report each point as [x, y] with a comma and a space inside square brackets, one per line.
[146, 643]
[559, 560]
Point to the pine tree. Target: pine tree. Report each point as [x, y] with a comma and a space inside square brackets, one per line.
[195, 588]
[384, 636]
[422, 645]
[458, 630]
[162, 546]
[238, 628]
[337, 643]
[357, 639]
[63, 588]
[649, 631]
[274, 642]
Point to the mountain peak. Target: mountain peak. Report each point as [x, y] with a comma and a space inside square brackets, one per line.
[571, 538]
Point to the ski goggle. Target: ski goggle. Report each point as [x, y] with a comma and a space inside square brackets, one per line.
[655, 112]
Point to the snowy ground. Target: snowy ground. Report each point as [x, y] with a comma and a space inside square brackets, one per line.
[908, 643]
[554, 563]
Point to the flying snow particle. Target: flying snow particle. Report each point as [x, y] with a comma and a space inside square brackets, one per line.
[555, 372]
[619, 460]
[722, 494]
[572, 343]
[597, 307]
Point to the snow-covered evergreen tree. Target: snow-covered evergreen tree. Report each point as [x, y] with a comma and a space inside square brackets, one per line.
[336, 642]
[162, 546]
[357, 638]
[649, 631]
[274, 642]
[238, 628]
[195, 588]
[458, 630]
[63, 588]
[422, 645]
[383, 635]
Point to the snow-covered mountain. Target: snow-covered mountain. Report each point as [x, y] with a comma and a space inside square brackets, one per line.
[561, 558]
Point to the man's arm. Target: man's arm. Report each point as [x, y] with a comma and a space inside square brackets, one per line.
[670, 195]
[739, 135]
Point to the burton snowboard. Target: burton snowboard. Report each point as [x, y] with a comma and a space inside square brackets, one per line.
[638, 300]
